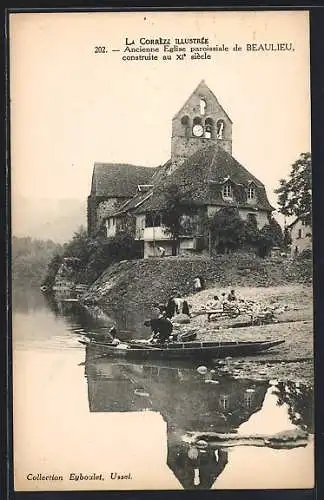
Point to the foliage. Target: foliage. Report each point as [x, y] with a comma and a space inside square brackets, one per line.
[295, 193]
[29, 259]
[90, 256]
[286, 238]
[229, 232]
[177, 204]
[306, 254]
[269, 236]
[106, 252]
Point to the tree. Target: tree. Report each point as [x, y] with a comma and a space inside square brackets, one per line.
[286, 238]
[52, 268]
[177, 204]
[228, 230]
[295, 194]
[269, 236]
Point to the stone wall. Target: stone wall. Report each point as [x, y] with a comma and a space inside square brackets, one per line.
[183, 142]
[301, 238]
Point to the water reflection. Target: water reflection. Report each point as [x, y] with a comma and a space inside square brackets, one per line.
[188, 402]
[90, 318]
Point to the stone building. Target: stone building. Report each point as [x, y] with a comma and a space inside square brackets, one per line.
[301, 237]
[112, 184]
[201, 165]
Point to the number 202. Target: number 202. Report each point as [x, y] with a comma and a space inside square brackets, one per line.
[100, 50]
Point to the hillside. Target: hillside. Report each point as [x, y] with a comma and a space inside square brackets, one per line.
[30, 258]
[153, 279]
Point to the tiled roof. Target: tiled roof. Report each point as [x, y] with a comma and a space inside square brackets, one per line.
[118, 180]
[140, 198]
[202, 176]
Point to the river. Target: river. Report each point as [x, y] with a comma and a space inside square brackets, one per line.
[109, 425]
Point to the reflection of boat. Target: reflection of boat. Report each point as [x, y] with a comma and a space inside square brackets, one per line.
[186, 350]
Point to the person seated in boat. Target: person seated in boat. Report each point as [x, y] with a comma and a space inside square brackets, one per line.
[112, 336]
[161, 329]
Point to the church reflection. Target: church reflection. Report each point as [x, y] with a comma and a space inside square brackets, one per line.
[187, 400]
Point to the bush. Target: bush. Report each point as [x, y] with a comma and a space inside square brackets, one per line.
[306, 254]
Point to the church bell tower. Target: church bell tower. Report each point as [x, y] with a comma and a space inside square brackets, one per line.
[201, 121]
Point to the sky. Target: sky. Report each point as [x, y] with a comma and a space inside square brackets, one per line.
[71, 107]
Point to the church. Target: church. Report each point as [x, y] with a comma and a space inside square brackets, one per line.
[132, 198]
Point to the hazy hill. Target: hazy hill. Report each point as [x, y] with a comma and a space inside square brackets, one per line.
[29, 259]
[45, 219]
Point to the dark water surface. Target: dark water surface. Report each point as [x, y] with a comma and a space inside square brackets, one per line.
[108, 419]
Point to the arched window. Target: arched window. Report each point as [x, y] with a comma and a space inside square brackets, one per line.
[196, 120]
[209, 128]
[185, 122]
[203, 106]
[299, 233]
[220, 129]
[227, 191]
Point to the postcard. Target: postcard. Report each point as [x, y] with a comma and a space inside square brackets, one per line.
[162, 316]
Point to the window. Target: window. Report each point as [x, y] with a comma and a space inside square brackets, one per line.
[227, 191]
[224, 401]
[220, 129]
[203, 105]
[152, 220]
[197, 120]
[185, 122]
[248, 399]
[299, 233]
[251, 218]
[251, 193]
[209, 128]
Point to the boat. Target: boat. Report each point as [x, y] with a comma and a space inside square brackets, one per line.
[179, 350]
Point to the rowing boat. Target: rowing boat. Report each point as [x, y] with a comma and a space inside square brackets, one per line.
[180, 350]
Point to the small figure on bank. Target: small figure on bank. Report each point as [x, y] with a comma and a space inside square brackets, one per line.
[197, 284]
[171, 306]
[214, 304]
[231, 297]
[161, 251]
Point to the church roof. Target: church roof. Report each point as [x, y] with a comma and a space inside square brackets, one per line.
[202, 177]
[118, 180]
[139, 198]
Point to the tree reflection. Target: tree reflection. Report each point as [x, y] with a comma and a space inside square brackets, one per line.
[299, 399]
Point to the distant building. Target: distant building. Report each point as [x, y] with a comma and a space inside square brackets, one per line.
[201, 158]
[301, 237]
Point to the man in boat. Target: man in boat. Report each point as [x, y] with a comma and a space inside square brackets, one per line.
[111, 336]
[161, 329]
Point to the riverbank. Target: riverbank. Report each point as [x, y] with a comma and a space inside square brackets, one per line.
[152, 280]
[267, 281]
[293, 323]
